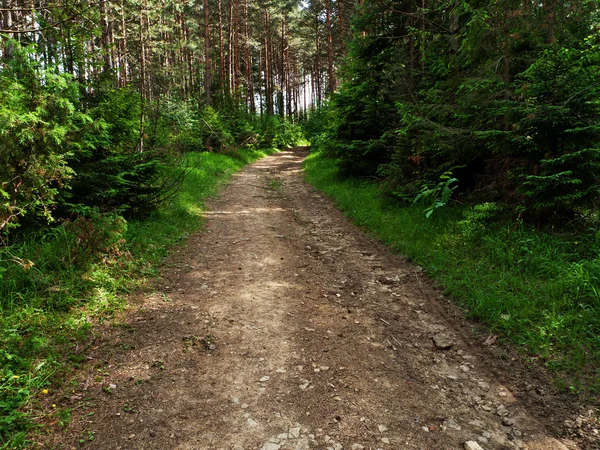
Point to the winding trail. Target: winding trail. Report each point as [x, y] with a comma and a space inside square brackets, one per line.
[282, 326]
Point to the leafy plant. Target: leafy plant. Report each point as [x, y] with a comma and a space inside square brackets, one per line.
[438, 196]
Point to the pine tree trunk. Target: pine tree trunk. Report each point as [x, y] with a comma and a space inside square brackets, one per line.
[237, 56]
[231, 82]
[143, 91]
[123, 60]
[423, 36]
[330, 71]
[249, 75]
[506, 43]
[221, 51]
[6, 28]
[207, 79]
[304, 90]
[260, 77]
[104, 37]
[411, 52]
[317, 75]
[268, 68]
[342, 24]
[282, 74]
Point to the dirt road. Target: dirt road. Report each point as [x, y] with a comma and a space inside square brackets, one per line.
[282, 326]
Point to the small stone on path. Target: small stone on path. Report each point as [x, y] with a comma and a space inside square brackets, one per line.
[302, 444]
[472, 445]
[382, 428]
[507, 421]
[477, 423]
[270, 446]
[450, 423]
[443, 341]
[265, 378]
[502, 411]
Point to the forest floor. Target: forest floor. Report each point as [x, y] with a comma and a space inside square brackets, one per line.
[283, 326]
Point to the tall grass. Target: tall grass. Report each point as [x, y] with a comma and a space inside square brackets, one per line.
[55, 284]
[537, 289]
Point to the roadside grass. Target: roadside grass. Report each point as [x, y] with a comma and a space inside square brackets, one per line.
[54, 285]
[539, 290]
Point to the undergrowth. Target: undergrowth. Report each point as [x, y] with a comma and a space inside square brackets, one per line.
[538, 289]
[55, 284]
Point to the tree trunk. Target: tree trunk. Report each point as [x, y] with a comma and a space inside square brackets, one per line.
[249, 74]
[237, 54]
[207, 80]
[317, 77]
[221, 51]
[230, 67]
[260, 77]
[123, 65]
[304, 89]
[282, 74]
[411, 52]
[342, 22]
[143, 91]
[330, 71]
[104, 37]
[423, 35]
[7, 27]
[268, 69]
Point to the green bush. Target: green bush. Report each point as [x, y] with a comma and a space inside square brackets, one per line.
[559, 127]
[177, 126]
[511, 112]
[117, 181]
[216, 133]
[39, 122]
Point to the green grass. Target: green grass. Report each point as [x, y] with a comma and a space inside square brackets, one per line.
[539, 290]
[54, 285]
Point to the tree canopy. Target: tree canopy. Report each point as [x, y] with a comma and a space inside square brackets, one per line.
[503, 95]
[97, 94]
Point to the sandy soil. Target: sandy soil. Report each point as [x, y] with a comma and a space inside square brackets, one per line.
[282, 326]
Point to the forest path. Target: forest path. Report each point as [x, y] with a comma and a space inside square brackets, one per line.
[282, 326]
